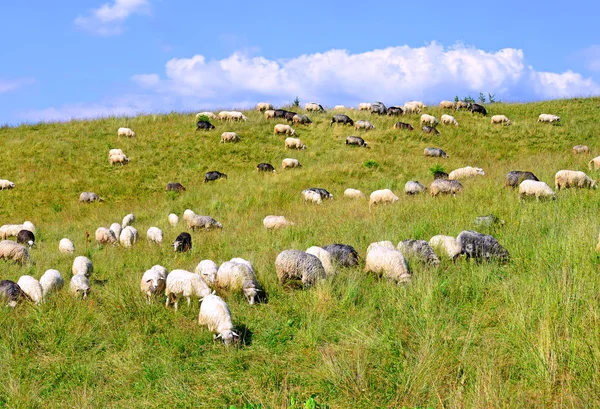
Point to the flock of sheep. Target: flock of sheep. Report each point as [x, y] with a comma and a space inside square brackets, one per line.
[293, 267]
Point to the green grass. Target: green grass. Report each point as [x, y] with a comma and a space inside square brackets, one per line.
[462, 335]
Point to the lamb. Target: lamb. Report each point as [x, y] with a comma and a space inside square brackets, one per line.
[128, 236]
[215, 314]
[313, 107]
[435, 153]
[565, 179]
[183, 242]
[449, 120]
[173, 219]
[364, 106]
[265, 167]
[80, 284]
[209, 115]
[263, 106]
[229, 137]
[155, 235]
[403, 125]
[500, 119]
[536, 188]
[421, 250]
[13, 251]
[366, 125]
[10, 230]
[32, 288]
[343, 254]
[353, 194]
[185, 284]
[119, 158]
[292, 265]
[413, 187]
[214, 175]
[174, 187]
[284, 129]
[6, 184]
[382, 196]
[276, 222]
[294, 143]
[125, 132]
[269, 113]
[25, 237]
[481, 246]
[301, 119]
[594, 163]
[82, 266]
[290, 163]
[429, 120]
[116, 229]
[153, 282]
[127, 220]
[447, 105]
[207, 269]
[105, 236]
[11, 293]
[548, 118]
[341, 119]
[325, 257]
[446, 243]
[466, 172]
[89, 197]
[581, 149]
[515, 177]
[387, 263]
[356, 141]
[51, 281]
[66, 246]
[238, 276]
[445, 186]
[430, 129]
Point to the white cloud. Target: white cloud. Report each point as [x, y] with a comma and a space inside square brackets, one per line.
[108, 19]
[12, 85]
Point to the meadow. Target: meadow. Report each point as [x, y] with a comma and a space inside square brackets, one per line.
[463, 335]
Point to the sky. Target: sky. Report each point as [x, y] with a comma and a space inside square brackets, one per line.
[93, 58]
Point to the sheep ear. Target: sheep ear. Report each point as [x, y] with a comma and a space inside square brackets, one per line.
[234, 334]
[218, 336]
[148, 281]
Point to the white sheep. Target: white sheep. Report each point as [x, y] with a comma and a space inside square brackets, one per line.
[89, 197]
[120, 158]
[411, 108]
[311, 196]
[387, 263]
[364, 106]
[276, 222]
[32, 288]
[548, 118]
[207, 269]
[565, 179]
[127, 220]
[80, 283]
[155, 235]
[51, 281]
[284, 129]
[466, 172]
[153, 282]
[215, 314]
[325, 258]
[173, 219]
[362, 124]
[353, 194]
[263, 106]
[382, 196]
[6, 184]
[66, 246]
[429, 120]
[290, 163]
[449, 120]
[447, 105]
[116, 228]
[313, 107]
[594, 163]
[385, 243]
[229, 137]
[185, 284]
[83, 266]
[105, 236]
[128, 236]
[10, 230]
[500, 119]
[13, 251]
[294, 143]
[269, 113]
[536, 188]
[236, 276]
[125, 132]
[581, 149]
[446, 243]
[339, 108]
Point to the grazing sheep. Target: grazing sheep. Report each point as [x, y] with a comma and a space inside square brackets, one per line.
[265, 167]
[341, 119]
[215, 314]
[382, 196]
[481, 246]
[263, 106]
[548, 118]
[581, 149]
[127, 220]
[116, 229]
[447, 105]
[413, 187]
[204, 125]
[6, 184]
[213, 175]
[446, 243]
[378, 108]
[466, 172]
[445, 186]
[11, 293]
[366, 125]
[364, 106]
[183, 242]
[203, 222]
[269, 113]
[403, 125]
[51, 281]
[25, 237]
[174, 187]
[488, 221]
[80, 284]
[356, 141]
[387, 263]
[412, 108]
[463, 105]
[313, 107]
[207, 269]
[421, 250]
[536, 188]
[82, 266]
[339, 108]
[301, 119]
[10, 230]
[13, 251]
[594, 163]
[325, 257]
[209, 115]
[353, 193]
[276, 222]
[128, 236]
[435, 153]
[500, 119]
[231, 116]
[229, 137]
[173, 219]
[386, 243]
[66, 246]
[153, 282]
[294, 265]
[105, 236]
[284, 129]
[480, 109]
[565, 179]
[395, 111]
[430, 129]
[155, 235]
[118, 158]
[89, 197]
[185, 284]
[238, 276]
[294, 143]
[290, 163]
[343, 254]
[515, 177]
[316, 194]
[449, 120]
[125, 132]
[32, 288]
[429, 120]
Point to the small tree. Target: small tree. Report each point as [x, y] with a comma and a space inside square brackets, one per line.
[481, 98]
[296, 102]
[468, 99]
[456, 99]
[492, 98]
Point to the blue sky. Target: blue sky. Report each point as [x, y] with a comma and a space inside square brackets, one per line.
[88, 58]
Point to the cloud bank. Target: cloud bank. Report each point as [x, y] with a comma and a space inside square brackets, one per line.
[14, 84]
[108, 19]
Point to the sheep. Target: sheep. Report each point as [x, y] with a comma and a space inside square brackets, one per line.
[183, 242]
[13, 251]
[316, 195]
[6, 184]
[290, 163]
[83, 266]
[214, 175]
[153, 282]
[430, 129]
[322, 192]
[127, 220]
[174, 187]
[215, 314]
[294, 143]
[435, 153]
[229, 137]
[548, 118]
[378, 108]
[515, 177]
[447, 105]
[341, 119]
[11, 293]
[594, 163]
[294, 265]
[411, 108]
[386, 243]
[232, 116]
[128, 236]
[25, 237]
[403, 125]
[205, 222]
[207, 269]
[565, 179]
[466, 172]
[382, 196]
[173, 219]
[105, 236]
[284, 129]
[32, 288]
[263, 106]
[125, 132]
[269, 113]
[395, 111]
[500, 119]
[339, 108]
[446, 243]
[301, 119]
[238, 276]
[116, 229]
[10, 230]
[421, 250]
[462, 105]
[387, 263]
[204, 125]
[119, 158]
[343, 254]
[245, 262]
[481, 247]
[413, 187]
[276, 222]
[325, 257]
[353, 194]
[488, 221]
[80, 283]
[66, 246]
[209, 115]
[581, 149]
[445, 186]
[51, 281]
[429, 120]
[356, 141]
[366, 125]
[313, 107]
[185, 284]
[480, 109]
[265, 167]
[155, 235]
[449, 120]
[536, 188]
[89, 197]
[364, 106]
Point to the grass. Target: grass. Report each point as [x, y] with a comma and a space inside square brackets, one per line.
[461, 335]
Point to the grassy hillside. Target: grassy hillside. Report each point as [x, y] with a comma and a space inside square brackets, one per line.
[461, 335]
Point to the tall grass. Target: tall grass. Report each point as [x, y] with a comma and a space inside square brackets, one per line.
[461, 335]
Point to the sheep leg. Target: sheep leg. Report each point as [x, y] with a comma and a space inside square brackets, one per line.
[189, 301]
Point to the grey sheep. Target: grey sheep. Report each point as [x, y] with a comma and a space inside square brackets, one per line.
[11, 293]
[294, 265]
[480, 246]
[13, 251]
[89, 197]
[515, 177]
[435, 152]
[488, 221]
[413, 187]
[419, 249]
[345, 255]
